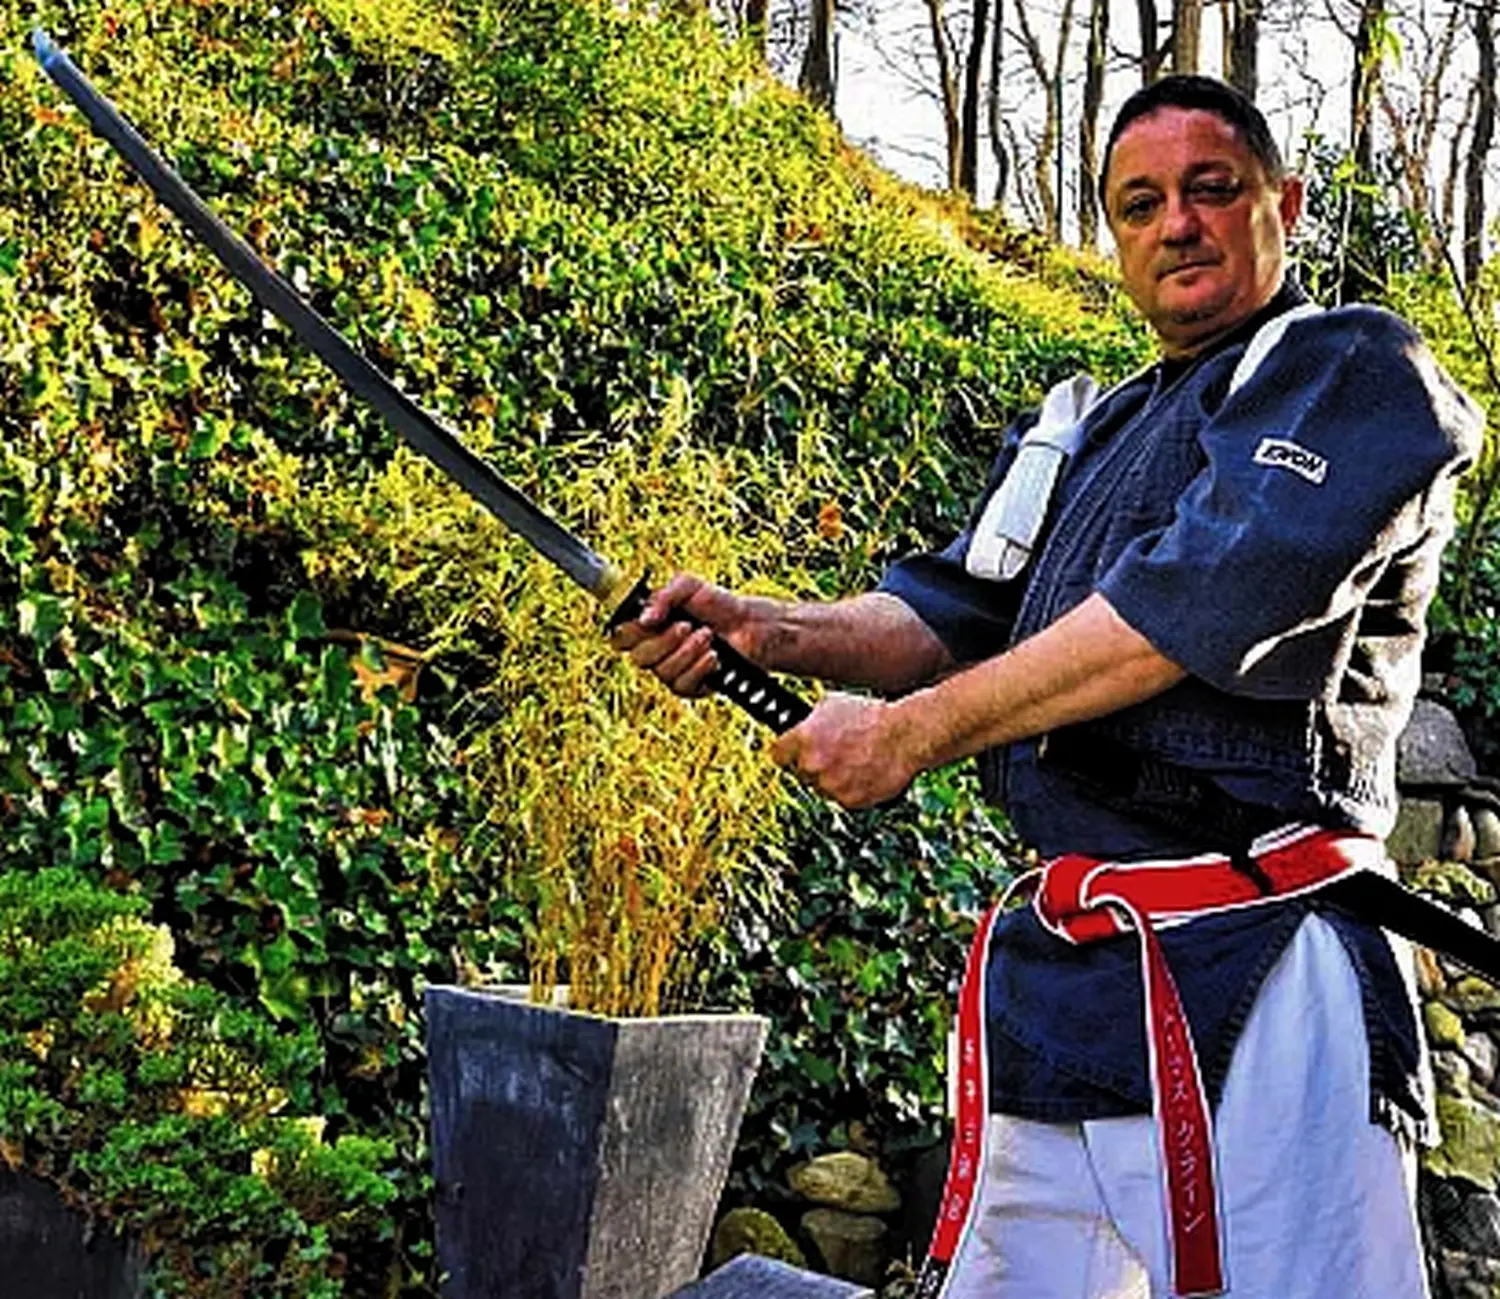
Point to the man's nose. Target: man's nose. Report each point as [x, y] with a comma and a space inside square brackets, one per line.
[1180, 223]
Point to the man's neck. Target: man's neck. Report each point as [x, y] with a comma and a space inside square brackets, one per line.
[1177, 361]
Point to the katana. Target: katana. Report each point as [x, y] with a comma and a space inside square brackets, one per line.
[736, 678]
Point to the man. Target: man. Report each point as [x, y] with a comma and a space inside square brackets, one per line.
[1199, 672]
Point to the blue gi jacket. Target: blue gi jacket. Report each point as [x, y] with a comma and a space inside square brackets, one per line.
[1281, 543]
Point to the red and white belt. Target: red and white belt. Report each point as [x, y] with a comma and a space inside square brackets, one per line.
[1082, 900]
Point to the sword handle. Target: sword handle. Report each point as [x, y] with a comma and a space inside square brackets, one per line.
[736, 678]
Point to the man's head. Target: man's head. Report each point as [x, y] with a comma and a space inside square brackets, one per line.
[1200, 205]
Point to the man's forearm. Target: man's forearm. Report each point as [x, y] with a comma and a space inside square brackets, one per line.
[871, 640]
[1087, 664]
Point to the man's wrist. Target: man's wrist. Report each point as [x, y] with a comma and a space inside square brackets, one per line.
[917, 731]
[763, 633]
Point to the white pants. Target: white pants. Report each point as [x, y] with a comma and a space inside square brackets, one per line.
[1316, 1202]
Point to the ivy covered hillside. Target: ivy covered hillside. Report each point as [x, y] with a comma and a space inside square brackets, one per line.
[289, 729]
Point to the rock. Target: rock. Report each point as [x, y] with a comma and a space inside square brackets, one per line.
[1467, 1276]
[1487, 869]
[1486, 833]
[1444, 1027]
[1455, 884]
[752, 1231]
[1418, 834]
[1432, 749]
[1458, 836]
[1450, 1071]
[1462, 1218]
[1471, 1142]
[862, 1141]
[1471, 995]
[845, 1180]
[1430, 977]
[751, 1277]
[1480, 1051]
[852, 1245]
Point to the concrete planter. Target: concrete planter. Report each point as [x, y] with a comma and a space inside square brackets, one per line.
[578, 1157]
[50, 1251]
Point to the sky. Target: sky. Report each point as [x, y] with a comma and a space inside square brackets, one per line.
[887, 106]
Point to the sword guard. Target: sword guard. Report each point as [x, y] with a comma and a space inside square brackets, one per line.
[739, 680]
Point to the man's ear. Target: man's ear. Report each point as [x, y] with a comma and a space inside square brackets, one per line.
[1290, 202]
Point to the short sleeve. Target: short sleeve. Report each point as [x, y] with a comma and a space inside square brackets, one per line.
[1318, 471]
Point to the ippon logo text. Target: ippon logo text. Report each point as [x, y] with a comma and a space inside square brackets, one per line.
[1282, 454]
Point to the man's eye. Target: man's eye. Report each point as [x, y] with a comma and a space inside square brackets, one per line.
[1214, 191]
[1139, 209]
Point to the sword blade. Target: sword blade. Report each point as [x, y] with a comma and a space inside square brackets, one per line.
[742, 682]
[420, 430]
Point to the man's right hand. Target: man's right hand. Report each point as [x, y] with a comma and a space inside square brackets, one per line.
[677, 651]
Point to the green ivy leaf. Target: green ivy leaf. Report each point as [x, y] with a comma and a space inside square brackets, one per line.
[304, 616]
[41, 617]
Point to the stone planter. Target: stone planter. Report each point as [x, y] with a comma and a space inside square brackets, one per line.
[578, 1157]
[50, 1251]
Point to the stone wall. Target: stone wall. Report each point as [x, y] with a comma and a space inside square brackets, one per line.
[1447, 842]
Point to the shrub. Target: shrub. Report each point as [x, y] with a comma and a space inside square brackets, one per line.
[158, 1102]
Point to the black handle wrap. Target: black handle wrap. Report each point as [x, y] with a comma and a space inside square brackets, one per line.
[736, 678]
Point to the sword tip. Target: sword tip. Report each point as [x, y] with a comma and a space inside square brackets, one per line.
[44, 48]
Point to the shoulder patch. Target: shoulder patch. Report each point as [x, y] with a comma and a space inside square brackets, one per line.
[1281, 453]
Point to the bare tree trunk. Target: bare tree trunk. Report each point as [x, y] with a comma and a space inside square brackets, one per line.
[816, 79]
[755, 24]
[1242, 45]
[1355, 283]
[1026, 194]
[1152, 49]
[1051, 83]
[1434, 76]
[997, 145]
[1372, 18]
[1187, 28]
[1450, 177]
[1479, 146]
[968, 161]
[1417, 199]
[1413, 126]
[1088, 127]
[942, 44]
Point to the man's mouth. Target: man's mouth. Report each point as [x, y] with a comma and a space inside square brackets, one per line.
[1185, 266]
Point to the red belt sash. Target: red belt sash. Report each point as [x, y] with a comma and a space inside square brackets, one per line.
[1081, 900]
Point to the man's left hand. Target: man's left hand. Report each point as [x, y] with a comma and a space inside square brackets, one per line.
[851, 749]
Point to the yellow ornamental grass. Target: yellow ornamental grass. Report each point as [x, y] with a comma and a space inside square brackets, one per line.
[618, 811]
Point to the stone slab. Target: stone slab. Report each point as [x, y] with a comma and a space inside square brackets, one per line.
[50, 1251]
[752, 1277]
[579, 1157]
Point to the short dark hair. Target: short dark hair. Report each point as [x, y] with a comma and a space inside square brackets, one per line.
[1216, 97]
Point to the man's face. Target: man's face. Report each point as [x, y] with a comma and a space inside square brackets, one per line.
[1200, 229]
